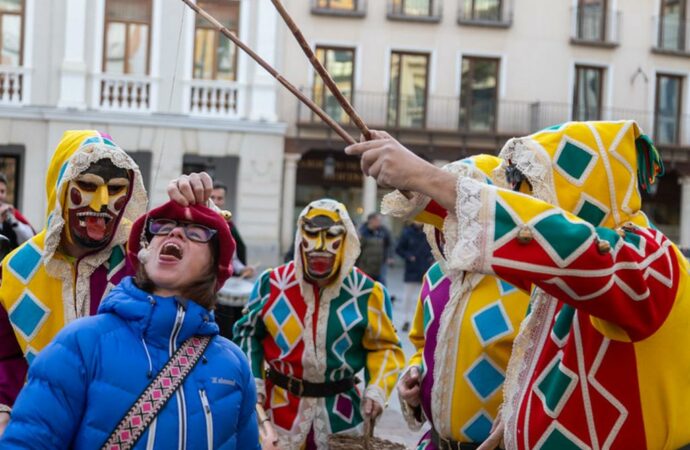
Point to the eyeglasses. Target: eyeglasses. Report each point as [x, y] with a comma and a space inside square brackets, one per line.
[193, 231]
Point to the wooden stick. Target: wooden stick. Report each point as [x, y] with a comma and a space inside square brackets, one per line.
[296, 92]
[321, 70]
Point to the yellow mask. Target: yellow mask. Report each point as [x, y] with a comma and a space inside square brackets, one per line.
[322, 245]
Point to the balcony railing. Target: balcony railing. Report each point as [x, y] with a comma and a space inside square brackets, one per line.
[672, 35]
[320, 7]
[12, 84]
[595, 26]
[124, 93]
[415, 10]
[488, 13]
[505, 117]
[215, 98]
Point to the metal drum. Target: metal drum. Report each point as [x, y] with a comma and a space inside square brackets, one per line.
[232, 298]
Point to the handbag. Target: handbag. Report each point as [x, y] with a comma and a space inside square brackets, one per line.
[157, 394]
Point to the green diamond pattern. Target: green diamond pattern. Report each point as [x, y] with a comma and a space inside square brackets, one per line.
[554, 386]
[559, 441]
[591, 213]
[564, 320]
[504, 222]
[573, 160]
[562, 235]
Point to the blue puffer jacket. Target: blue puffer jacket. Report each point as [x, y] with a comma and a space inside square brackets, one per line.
[81, 385]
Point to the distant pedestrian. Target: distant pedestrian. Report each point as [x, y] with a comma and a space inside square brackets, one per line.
[375, 240]
[414, 249]
[13, 225]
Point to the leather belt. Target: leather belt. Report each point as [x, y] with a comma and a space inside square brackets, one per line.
[449, 444]
[302, 388]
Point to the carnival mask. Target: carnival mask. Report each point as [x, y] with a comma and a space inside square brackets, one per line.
[95, 200]
[322, 246]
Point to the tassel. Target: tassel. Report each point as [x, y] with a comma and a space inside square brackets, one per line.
[649, 163]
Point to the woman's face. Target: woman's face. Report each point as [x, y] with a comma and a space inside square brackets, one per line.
[175, 262]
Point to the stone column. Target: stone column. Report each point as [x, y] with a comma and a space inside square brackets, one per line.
[73, 67]
[684, 231]
[287, 234]
[369, 196]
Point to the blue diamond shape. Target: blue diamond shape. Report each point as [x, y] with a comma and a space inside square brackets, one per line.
[30, 356]
[478, 428]
[349, 314]
[25, 262]
[484, 378]
[26, 315]
[505, 288]
[341, 345]
[491, 324]
[282, 343]
[281, 311]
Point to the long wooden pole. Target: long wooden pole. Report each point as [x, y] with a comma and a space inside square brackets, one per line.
[296, 92]
[321, 70]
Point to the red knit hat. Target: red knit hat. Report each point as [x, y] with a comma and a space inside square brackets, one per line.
[201, 215]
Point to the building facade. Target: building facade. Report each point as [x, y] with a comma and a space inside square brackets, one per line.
[451, 78]
[166, 86]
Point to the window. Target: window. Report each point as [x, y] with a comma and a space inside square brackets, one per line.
[418, 8]
[341, 5]
[483, 10]
[479, 94]
[340, 63]
[408, 89]
[672, 25]
[591, 20]
[589, 83]
[127, 37]
[667, 109]
[215, 56]
[11, 20]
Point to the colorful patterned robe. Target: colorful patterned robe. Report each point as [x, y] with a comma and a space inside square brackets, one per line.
[601, 361]
[325, 338]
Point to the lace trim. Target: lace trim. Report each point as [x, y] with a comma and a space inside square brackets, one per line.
[260, 386]
[466, 254]
[445, 355]
[397, 205]
[533, 161]
[526, 349]
[407, 410]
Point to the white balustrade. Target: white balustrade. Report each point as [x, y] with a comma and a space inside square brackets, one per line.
[12, 82]
[214, 98]
[124, 93]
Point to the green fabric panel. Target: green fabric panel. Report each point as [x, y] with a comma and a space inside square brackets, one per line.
[574, 160]
[558, 441]
[504, 222]
[562, 235]
[607, 234]
[563, 321]
[591, 213]
[554, 386]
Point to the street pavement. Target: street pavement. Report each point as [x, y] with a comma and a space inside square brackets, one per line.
[392, 425]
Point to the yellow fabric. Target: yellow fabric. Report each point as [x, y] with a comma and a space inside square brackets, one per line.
[416, 335]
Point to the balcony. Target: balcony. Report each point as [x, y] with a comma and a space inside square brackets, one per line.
[672, 36]
[486, 13]
[124, 93]
[595, 27]
[12, 85]
[485, 128]
[214, 98]
[326, 8]
[426, 11]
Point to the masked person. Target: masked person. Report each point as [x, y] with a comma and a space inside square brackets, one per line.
[599, 360]
[81, 387]
[316, 322]
[94, 192]
[463, 331]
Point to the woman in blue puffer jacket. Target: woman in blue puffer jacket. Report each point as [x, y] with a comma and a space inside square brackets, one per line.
[82, 385]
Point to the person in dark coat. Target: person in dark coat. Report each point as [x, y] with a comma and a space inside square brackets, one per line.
[375, 243]
[414, 249]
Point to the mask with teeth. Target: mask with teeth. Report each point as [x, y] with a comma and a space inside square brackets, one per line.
[322, 246]
[96, 199]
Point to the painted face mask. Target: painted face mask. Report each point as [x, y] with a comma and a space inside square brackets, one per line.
[323, 236]
[95, 200]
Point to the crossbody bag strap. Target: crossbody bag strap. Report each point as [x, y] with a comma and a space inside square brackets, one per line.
[157, 394]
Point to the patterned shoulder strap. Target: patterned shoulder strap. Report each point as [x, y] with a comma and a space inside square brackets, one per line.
[157, 394]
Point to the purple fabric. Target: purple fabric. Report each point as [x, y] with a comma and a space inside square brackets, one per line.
[438, 297]
[13, 366]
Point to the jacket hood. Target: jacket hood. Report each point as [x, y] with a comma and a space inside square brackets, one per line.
[591, 169]
[77, 150]
[350, 252]
[154, 316]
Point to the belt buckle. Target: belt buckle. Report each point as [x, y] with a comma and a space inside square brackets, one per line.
[299, 383]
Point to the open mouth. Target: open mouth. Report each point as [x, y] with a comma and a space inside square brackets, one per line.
[171, 250]
[320, 262]
[95, 223]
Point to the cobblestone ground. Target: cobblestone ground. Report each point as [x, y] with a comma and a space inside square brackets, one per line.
[392, 426]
